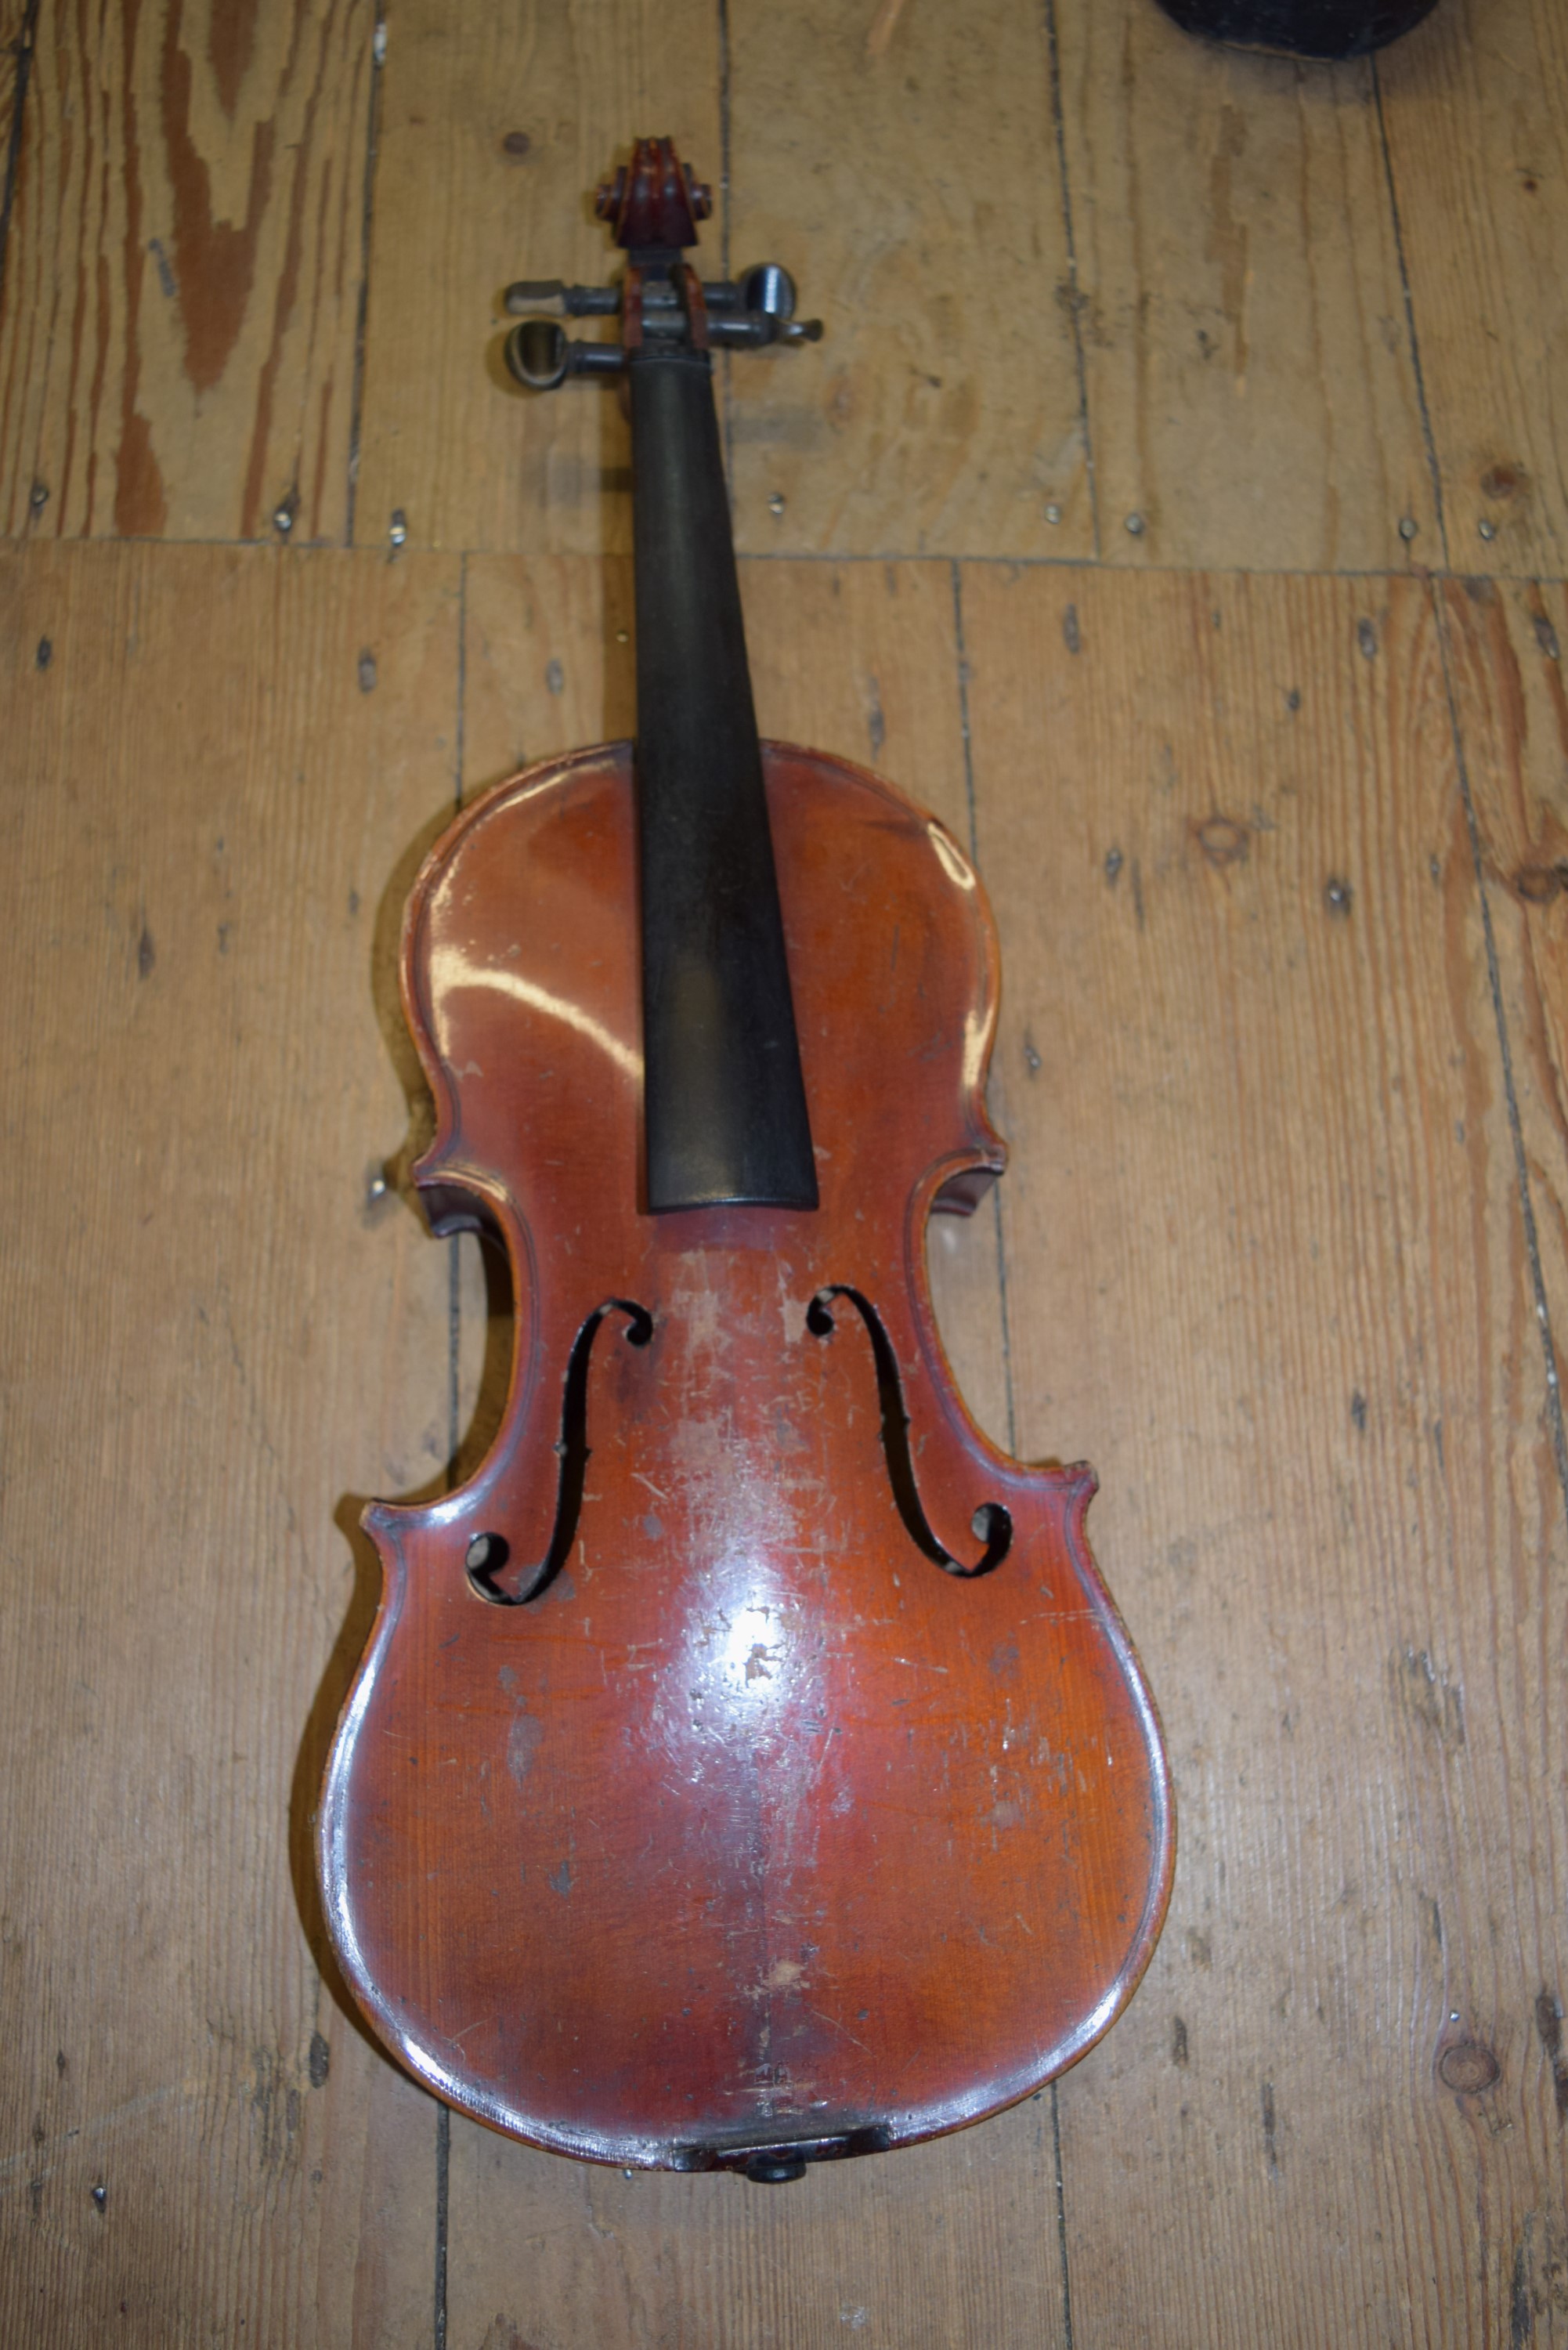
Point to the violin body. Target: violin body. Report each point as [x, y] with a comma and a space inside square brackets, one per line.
[748, 1765]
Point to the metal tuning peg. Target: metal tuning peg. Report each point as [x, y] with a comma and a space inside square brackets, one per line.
[539, 355]
[553, 299]
[767, 292]
[758, 309]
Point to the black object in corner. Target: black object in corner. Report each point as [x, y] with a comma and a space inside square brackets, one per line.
[1302, 29]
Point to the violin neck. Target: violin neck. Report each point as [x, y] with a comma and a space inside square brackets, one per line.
[724, 1105]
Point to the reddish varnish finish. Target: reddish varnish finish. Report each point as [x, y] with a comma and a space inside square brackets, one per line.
[755, 1825]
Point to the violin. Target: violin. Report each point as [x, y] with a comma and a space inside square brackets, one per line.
[747, 1767]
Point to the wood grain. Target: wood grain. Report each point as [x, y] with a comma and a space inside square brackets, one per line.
[449, 439]
[1505, 642]
[911, 184]
[16, 61]
[1479, 153]
[1270, 1276]
[1504, 646]
[1252, 393]
[182, 274]
[218, 767]
[951, 2242]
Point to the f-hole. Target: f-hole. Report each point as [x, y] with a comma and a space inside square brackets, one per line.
[488, 1555]
[992, 1523]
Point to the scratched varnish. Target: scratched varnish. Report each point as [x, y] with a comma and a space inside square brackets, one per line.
[1269, 793]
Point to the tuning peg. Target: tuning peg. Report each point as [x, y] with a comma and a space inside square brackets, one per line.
[536, 354]
[539, 355]
[768, 291]
[553, 299]
[546, 295]
[754, 330]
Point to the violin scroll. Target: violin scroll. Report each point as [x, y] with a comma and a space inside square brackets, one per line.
[656, 205]
[652, 208]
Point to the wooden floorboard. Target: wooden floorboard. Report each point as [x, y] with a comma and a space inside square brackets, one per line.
[183, 273]
[219, 766]
[15, 64]
[910, 182]
[450, 441]
[1252, 390]
[1505, 643]
[955, 2243]
[1478, 141]
[1266, 1264]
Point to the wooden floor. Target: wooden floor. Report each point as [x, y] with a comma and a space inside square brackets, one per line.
[1178, 503]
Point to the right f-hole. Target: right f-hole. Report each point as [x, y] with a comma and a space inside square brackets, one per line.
[991, 1523]
[489, 1553]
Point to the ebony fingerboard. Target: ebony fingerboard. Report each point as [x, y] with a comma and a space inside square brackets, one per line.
[724, 1102]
